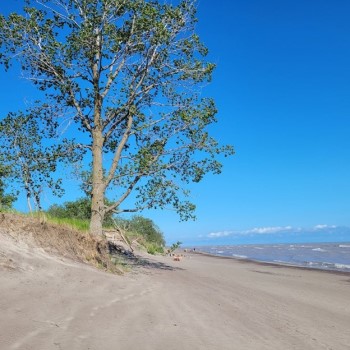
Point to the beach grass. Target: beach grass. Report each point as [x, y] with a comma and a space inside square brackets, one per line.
[78, 224]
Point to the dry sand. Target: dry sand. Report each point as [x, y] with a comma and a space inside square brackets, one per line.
[201, 302]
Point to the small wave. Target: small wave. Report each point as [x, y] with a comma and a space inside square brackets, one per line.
[239, 256]
[220, 252]
[329, 266]
[260, 248]
[319, 250]
[342, 266]
[344, 245]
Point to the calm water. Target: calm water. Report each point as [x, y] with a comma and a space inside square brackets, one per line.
[326, 256]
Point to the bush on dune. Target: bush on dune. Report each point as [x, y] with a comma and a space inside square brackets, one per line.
[77, 214]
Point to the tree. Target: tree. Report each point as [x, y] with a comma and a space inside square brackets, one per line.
[6, 200]
[31, 163]
[129, 74]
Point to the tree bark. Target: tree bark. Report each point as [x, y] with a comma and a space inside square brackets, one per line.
[97, 196]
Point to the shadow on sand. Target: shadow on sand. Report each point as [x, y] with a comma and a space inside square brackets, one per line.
[135, 261]
[151, 264]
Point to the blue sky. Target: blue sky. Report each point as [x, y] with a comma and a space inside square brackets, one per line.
[282, 87]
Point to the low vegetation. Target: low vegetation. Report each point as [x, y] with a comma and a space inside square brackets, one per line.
[137, 229]
[175, 246]
[81, 225]
[146, 233]
[79, 211]
[63, 229]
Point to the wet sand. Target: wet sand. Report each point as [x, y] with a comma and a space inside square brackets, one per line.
[200, 302]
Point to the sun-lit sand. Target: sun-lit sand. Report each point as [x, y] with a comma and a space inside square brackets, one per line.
[200, 302]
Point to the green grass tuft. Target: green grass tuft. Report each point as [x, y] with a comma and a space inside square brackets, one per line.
[79, 224]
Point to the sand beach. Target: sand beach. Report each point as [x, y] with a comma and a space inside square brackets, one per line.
[200, 302]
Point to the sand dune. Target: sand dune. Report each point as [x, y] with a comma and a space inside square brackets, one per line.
[49, 302]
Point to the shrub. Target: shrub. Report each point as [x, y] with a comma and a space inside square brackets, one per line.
[154, 249]
[79, 209]
[148, 229]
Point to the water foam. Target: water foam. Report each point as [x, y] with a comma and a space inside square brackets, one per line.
[239, 256]
[342, 266]
[319, 250]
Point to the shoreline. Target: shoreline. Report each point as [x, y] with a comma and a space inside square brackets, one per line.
[273, 264]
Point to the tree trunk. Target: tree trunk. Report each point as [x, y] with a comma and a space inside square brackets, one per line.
[98, 186]
[97, 195]
[29, 205]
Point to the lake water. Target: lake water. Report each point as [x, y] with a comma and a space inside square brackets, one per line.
[326, 256]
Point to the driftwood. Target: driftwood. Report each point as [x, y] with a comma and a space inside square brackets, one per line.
[119, 231]
[113, 235]
[124, 239]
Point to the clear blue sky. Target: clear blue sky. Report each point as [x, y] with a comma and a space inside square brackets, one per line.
[282, 87]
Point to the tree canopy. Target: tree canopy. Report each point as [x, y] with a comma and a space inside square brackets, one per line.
[126, 76]
[32, 161]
